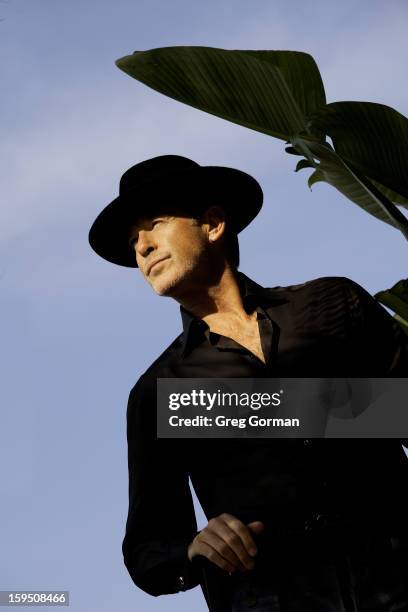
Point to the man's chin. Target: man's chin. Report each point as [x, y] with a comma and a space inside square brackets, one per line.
[173, 283]
[165, 286]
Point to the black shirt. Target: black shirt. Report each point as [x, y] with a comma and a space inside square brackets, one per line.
[326, 327]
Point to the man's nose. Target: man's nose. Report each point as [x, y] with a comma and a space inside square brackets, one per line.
[145, 243]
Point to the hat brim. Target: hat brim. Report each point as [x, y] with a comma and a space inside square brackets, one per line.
[236, 191]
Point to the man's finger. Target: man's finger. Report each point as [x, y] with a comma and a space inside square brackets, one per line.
[237, 537]
[244, 533]
[213, 540]
[213, 555]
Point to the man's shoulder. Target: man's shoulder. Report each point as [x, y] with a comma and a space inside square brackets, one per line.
[316, 286]
[324, 306]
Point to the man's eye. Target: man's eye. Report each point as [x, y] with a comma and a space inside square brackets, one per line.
[133, 241]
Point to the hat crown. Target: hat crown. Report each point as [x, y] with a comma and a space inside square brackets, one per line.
[154, 168]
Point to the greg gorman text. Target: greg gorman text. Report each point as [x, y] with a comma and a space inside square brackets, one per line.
[223, 421]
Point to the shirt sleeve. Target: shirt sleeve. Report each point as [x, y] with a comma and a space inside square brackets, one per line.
[161, 520]
[382, 346]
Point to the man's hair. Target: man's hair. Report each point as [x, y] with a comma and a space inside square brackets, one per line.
[230, 238]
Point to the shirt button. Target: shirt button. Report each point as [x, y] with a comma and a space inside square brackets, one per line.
[181, 583]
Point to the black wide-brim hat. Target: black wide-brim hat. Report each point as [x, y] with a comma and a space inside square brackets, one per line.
[171, 179]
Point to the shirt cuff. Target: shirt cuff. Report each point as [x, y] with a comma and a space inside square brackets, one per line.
[188, 572]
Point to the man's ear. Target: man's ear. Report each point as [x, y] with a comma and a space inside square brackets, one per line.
[214, 217]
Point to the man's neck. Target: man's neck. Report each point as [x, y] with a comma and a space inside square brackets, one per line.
[219, 302]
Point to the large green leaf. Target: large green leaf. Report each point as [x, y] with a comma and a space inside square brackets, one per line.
[373, 137]
[301, 74]
[402, 322]
[268, 91]
[396, 198]
[396, 298]
[333, 169]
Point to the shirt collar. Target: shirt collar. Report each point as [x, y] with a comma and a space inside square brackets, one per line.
[253, 294]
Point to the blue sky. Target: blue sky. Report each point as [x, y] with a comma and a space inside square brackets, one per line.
[77, 331]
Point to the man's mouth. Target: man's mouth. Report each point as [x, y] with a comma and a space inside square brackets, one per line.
[154, 263]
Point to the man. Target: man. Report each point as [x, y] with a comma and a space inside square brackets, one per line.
[293, 525]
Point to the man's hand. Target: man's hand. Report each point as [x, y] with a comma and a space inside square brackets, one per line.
[227, 542]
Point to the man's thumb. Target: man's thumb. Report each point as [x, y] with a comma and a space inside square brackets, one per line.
[256, 526]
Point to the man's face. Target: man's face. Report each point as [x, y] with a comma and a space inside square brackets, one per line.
[178, 243]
